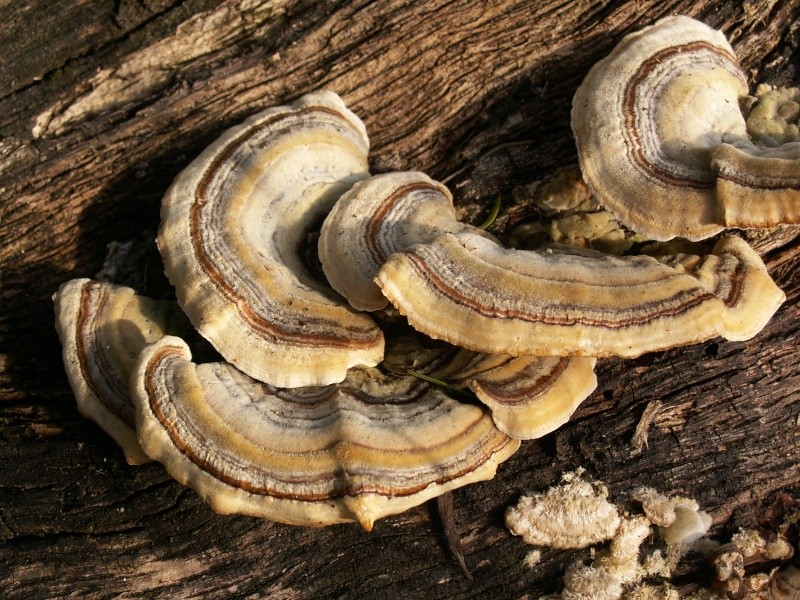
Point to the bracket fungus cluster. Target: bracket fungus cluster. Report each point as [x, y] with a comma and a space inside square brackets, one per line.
[663, 144]
[322, 413]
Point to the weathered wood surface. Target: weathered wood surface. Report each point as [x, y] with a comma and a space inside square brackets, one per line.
[103, 102]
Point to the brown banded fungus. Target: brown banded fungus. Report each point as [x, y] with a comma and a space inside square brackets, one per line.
[735, 274]
[529, 396]
[376, 218]
[470, 292]
[102, 328]
[371, 446]
[663, 144]
[232, 223]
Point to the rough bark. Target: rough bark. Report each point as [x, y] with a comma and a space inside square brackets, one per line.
[104, 102]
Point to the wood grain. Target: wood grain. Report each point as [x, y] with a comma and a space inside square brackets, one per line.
[96, 120]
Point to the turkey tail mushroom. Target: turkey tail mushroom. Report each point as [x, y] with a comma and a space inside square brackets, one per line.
[102, 328]
[663, 144]
[470, 292]
[371, 446]
[232, 223]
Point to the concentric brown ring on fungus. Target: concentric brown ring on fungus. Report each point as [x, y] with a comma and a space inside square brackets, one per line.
[232, 225]
[758, 187]
[662, 141]
[377, 217]
[736, 275]
[470, 292]
[529, 396]
[102, 328]
[371, 446]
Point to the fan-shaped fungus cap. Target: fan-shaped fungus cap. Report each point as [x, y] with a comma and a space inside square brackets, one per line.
[690, 524]
[472, 293]
[529, 396]
[679, 519]
[648, 120]
[374, 219]
[232, 223]
[369, 447]
[758, 187]
[736, 275]
[102, 328]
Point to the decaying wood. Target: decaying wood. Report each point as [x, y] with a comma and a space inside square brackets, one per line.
[104, 102]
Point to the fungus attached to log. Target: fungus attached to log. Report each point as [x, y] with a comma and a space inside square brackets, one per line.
[232, 224]
[529, 396]
[663, 144]
[102, 328]
[574, 514]
[357, 451]
[470, 292]
[376, 218]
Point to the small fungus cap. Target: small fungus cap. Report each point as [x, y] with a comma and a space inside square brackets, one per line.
[529, 396]
[232, 225]
[377, 217]
[102, 328]
[574, 514]
[357, 451]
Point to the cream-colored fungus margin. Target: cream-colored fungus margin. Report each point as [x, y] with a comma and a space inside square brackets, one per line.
[663, 144]
[573, 514]
[635, 564]
[232, 223]
[369, 447]
[529, 396]
[576, 514]
[376, 218]
[102, 328]
[471, 292]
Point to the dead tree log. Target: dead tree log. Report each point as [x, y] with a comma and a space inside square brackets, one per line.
[103, 102]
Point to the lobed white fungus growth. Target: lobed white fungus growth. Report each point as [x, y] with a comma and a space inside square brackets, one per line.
[574, 514]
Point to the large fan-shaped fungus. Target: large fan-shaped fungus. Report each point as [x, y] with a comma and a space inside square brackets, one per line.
[232, 223]
[663, 144]
[366, 448]
[470, 292]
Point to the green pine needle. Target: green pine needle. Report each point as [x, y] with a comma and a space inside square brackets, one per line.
[492, 217]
